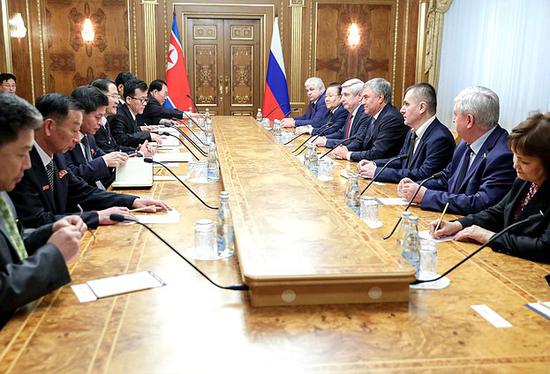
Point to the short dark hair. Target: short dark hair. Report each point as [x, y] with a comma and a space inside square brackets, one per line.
[90, 98]
[124, 77]
[156, 85]
[132, 85]
[425, 92]
[532, 138]
[103, 84]
[6, 77]
[16, 115]
[337, 85]
[56, 106]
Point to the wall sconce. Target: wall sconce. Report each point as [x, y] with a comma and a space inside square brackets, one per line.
[88, 33]
[354, 35]
[17, 26]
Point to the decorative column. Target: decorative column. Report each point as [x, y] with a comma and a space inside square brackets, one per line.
[296, 83]
[149, 7]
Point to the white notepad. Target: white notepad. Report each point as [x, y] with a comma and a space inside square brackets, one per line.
[172, 216]
[134, 173]
[425, 234]
[491, 316]
[120, 284]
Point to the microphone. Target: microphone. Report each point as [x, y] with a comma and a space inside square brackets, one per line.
[323, 129]
[274, 109]
[339, 144]
[294, 138]
[400, 157]
[533, 217]
[151, 161]
[121, 218]
[181, 141]
[192, 120]
[175, 125]
[436, 175]
[189, 140]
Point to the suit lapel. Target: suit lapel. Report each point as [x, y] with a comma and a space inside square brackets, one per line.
[423, 140]
[41, 178]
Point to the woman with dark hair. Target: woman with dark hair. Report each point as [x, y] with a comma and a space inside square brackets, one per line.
[530, 194]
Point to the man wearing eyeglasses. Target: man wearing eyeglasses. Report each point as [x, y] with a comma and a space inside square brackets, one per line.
[123, 125]
[7, 83]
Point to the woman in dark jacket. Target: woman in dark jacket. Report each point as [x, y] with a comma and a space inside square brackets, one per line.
[530, 194]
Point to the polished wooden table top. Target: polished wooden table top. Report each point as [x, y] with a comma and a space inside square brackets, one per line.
[189, 326]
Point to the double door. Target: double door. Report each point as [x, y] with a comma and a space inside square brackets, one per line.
[224, 64]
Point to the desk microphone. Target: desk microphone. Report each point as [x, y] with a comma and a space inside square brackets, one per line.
[436, 175]
[323, 129]
[192, 120]
[151, 161]
[174, 125]
[533, 217]
[182, 133]
[274, 109]
[400, 157]
[121, 218]
[181, 141]
[337, 145]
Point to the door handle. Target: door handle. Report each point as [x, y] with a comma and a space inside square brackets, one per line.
[220, 85]
[226, 85]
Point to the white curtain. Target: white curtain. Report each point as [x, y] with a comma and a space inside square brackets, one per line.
[500, 44]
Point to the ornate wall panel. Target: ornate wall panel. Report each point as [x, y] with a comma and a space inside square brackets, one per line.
[206, 73]
[242, 66]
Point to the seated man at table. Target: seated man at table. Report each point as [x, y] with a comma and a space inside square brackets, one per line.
[316, 112]
[8, 83]
[383, 134]
[351, 101]
[123, 124]
[336, 113]
[48, 191]
[120, 81]
[87, 160]
[530, 142]
[103, 137]
[481, 171]
[429, 144]
[31, 265]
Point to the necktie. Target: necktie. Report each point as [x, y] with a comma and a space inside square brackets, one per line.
[87, 151]
[348, 126]
[410, 153]
[463, 168]
[11, 229]
[50, 172]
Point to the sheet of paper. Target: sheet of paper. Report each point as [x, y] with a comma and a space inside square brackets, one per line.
[170, 142]
[124, 283]
[172, 157]
[172, 216]
[83, 293]
[164, 178]
[425, 234]
[541, 308]
[392, 201]
[491, 316]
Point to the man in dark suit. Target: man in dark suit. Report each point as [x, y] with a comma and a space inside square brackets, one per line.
[87, 160]
[481, 171]
[351, 101]
[429, 144]
[30, 265]
[124, 125]
[383, 134]
[120, 81]
[316, 111]
[154, 112]
[48, 191]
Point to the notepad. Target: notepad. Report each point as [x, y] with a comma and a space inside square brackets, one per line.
[425, 234]
[392, 201]
[172, 157]
[117, 285]
[134, 173]
[172, 216]
[169, 142]
[542, 308]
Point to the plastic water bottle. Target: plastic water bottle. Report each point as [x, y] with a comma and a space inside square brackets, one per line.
[208, 131]
[277, 130]
[259, 115]
[225, 231]
[403, 228]
[207, 114]
[352, 193]
[213, 170]
[310, 149]
[314, 163]
[411, 244]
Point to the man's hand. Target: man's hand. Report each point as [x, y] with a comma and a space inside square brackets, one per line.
[408, 188]
[446, 228]
[320, 141]
[341, 152]
[70, 221]
[156, 138]
[304, 130]
[115, 159]
[154, 204]
[104, 215]
[366, 168]
[476, 233]
[287, 122]
[146, 149]
[67, 240]
[148, 128]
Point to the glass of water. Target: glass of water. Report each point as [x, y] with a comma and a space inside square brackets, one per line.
[369, 211]
[326, 166]
[428, 259]
[205, 242]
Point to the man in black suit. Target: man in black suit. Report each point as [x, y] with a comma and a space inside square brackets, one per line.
[30, 265]
[154, 112]
[124, 125]
[316, 110]
[383, 134]
[429, 144]
[351, 101]
[87, 160]
[120, 81]
[48, 191]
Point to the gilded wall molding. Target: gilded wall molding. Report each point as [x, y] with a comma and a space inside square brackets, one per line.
[6, 34]
[296, 50]
[41, 43]
[149, 9]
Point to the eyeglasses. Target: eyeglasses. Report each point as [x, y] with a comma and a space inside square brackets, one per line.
[141, 99]
[114, 96]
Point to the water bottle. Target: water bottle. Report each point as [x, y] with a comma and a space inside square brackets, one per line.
[225, 232]
[213, 170]
[207, 114]
[310, 149]
[259, 116]
[314, 163]
[352, 193]
[403, 227]
[277, 129]
[208, 131]
[411, 244]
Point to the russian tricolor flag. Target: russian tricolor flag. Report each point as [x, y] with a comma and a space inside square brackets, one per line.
[276, 104]
[179, 94]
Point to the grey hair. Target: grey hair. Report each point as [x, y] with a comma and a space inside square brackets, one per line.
[318, 82]
[482, 103]
[380, 86]
[355, 85]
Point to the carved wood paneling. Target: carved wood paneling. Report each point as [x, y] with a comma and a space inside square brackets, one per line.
[242, 84]
[205, 74]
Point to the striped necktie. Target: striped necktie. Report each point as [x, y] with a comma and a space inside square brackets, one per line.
[11, 229]
[50, 170]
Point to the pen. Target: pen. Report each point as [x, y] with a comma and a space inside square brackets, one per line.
[144, 208]
[441, 217]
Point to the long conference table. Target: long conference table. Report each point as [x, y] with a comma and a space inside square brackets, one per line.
[327, 294]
